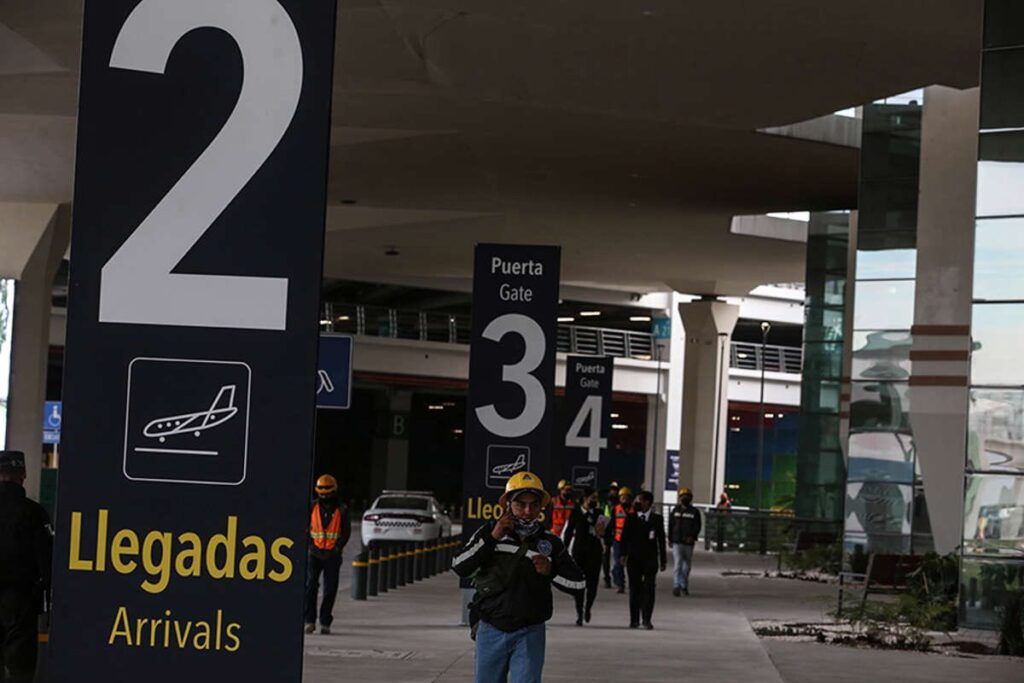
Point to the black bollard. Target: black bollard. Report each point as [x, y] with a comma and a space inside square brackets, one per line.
[410, 563]
[430, 559]
[421, 556]
[386, 568]
[373, 575]
[402, 565]
[360, 571]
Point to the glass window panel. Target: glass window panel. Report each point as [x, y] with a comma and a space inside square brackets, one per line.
[878, 508]
[888, 205]
[889, 264]
[985, 585]
[880, 406]
[825, 289]
[995, 437]
[994, 515]
[999, 259]
[1002, 89]
[823, 360]
[996, 359]
[819, 433]
[822, 398]
[1004, 23]
[884, 305]
[1001, 146]
[823, 325]
[999, 188]
[881, 355]
[881, 456]
[826, 253]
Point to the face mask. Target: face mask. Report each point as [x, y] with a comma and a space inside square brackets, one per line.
[524, 528]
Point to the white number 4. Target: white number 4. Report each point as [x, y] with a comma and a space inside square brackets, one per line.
[137, 284]
[592, 408]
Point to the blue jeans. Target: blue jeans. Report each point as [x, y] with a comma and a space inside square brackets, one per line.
[618, 571]
[683, 556]
[516, 657]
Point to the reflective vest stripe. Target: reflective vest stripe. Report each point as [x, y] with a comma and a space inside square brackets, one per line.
[324, 539]
[620, 521]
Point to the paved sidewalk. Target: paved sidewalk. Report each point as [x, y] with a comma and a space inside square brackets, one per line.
[411, 635]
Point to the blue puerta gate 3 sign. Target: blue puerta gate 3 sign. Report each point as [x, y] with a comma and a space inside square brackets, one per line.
[511, 373]
[191, 360]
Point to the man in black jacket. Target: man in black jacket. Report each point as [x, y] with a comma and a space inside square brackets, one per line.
[643, 553]
[514, 562]
[683, 530]
[26, 548]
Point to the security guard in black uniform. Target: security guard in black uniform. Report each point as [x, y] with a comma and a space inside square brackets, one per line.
[26, 547]
[643, 553]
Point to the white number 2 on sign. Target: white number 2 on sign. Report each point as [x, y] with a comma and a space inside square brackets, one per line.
[592, 408]
[137, 285]
[519, 374]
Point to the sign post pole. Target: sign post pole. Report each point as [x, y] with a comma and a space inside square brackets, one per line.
[200, 199]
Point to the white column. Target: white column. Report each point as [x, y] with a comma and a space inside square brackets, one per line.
[942, 308]
[31, 341]
[708, 326]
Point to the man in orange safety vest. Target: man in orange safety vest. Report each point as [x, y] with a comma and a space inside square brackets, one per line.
[329, 531]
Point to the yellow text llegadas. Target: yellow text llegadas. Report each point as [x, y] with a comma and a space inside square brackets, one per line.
[161, 554]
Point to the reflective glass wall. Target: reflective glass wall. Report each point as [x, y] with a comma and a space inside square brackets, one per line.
[993, 543]
[820, 469]
[884, 499]
[6, 332]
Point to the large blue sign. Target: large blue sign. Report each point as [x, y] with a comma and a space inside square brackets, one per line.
[53, 416]
[334, 372]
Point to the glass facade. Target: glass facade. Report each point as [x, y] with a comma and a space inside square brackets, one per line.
[782, 425]
[993, 536]
[820, 468]
[884, 506]
[6, 335]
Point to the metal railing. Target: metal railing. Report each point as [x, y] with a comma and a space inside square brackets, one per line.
[748, 356]
[378, 321]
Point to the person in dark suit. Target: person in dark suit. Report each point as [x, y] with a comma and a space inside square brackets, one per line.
[643, 554]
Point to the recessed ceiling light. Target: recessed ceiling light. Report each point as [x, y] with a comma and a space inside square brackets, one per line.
[566, 320]
[640, 318]
[342, 318]
[589, 314]
[620, 426]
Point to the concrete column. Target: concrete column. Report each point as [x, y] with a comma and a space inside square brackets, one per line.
[708, 326]
[663, 442]
[940, 352]
[400, 409]
[31, 343]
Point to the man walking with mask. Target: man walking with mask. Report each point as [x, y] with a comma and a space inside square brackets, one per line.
[514, 563]
[683, 530]
[329, 531]
[643, 553]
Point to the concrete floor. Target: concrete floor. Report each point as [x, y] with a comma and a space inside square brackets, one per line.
[411, 635]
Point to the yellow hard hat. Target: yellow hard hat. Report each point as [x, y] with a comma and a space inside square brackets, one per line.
[625, 491]
[685, 491]
[562, 483]
[326, 484]
[525, 481]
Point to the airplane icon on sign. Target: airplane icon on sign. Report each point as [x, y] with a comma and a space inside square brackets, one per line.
[220, 411]
[512, 467]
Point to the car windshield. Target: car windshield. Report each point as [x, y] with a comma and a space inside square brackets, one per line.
[402, 503]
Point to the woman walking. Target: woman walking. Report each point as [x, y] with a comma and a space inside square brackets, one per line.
[582, 536]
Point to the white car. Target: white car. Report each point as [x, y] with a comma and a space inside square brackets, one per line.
[405, 516]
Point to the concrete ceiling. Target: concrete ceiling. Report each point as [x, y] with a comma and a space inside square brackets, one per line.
[624, 131]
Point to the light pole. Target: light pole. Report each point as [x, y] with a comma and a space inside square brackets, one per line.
[765, 328]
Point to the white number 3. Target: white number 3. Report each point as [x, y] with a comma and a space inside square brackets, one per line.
[137, 285]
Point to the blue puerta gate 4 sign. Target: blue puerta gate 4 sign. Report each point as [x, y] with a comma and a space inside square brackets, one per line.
[191, 359]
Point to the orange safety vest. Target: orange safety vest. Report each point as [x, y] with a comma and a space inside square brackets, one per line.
[324, 539]
[560, 512]
[621, 514]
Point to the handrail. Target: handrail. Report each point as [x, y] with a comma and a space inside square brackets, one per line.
[380, 321]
